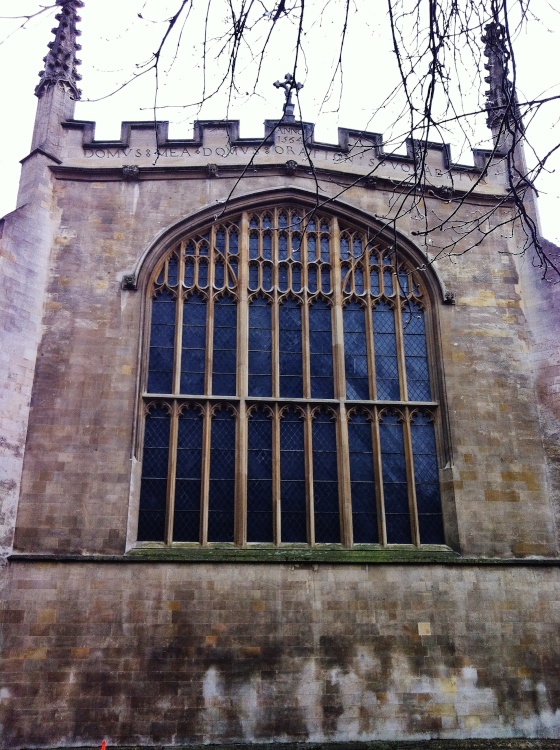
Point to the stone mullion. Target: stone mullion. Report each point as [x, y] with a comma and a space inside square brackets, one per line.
[308, 446]
[179, 310]
[276, 478]
[378, 475]
[400, 342]
[242, 382]
[171, 473]
[209, 317]
[275, 317]
[343, 448]
[409, 463]
[205, 475]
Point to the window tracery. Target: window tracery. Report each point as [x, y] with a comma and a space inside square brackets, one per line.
[288, 395]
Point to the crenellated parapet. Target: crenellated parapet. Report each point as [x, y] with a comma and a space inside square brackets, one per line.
[217, 150]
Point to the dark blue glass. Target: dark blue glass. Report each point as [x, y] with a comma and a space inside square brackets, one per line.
[296, 277]
[267, 277]
[202, 273]
[312, 279]
[253, 276]
[189, 272]
[415, 352]
[172, 271]
[232, 275]
[162, 344]
[359, 280]
[253, 245]
[320, 350]
[259, 479]
[225, 347]
[403, 283]
[355, 352]
[325, 480]
[426, 479]
[267, 222]
[219, 275]
[385, 346]
[267, 246]
[344, 247]
[293, 502]
[260, 348]
[357, 247]
[326, 279]
[283, 246]
[395, 486]
[283, 283]
[311, 249]
[296, 245]
[186, 520]
[325, 249]
[153, 493]
[283, 220]
[193, 356]
[233, 242]
[374, 281]
[221, 499]
[388, 282]
[362, 481]
[254, 222]
[311, 226]
[291, 363]
[221, 241]
[203, 248]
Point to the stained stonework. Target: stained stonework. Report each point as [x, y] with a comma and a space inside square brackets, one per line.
[154, 644]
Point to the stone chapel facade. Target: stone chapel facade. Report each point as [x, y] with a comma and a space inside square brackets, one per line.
[270, 472]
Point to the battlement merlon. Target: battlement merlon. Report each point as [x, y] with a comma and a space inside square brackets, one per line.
[217, 147]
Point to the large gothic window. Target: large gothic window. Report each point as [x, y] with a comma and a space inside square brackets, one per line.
[287, 395]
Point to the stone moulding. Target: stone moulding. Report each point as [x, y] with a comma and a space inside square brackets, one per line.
[347, 139]
[513, 743]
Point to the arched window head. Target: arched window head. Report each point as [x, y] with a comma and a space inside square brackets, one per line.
[288, 393]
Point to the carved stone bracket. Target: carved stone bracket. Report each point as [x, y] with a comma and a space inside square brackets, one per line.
[291, 167]
[449, 298]
[129, 282]
[446, 192]
[212, 170]
[130, 172]
[371, 182]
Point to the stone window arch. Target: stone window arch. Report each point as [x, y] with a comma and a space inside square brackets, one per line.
[289, 393]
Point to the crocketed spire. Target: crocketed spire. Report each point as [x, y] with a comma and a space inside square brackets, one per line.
[499, 102]
[61, 62]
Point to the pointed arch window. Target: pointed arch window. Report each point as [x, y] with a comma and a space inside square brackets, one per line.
[288, 396]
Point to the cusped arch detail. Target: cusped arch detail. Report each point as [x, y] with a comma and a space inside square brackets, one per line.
[259, 201]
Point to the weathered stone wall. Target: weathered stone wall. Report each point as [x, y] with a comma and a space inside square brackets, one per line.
[75, 494]
[175, 653]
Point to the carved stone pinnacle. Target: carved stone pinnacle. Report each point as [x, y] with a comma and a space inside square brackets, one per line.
[61, 61]
[289, 85]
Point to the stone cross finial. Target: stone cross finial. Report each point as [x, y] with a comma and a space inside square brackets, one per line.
[289, 84]
[61, 62]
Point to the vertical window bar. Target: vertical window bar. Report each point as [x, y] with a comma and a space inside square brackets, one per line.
[409, 462]
[276, 477]
[210, 319]
[344, 491]
[242, 382]
[308, 443]
[171, 471]
[205, 483]
[378, 474]
[400, 347]
[179, 322]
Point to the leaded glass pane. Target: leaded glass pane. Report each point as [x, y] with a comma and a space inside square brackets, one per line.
[222, 478]
[153, 493]
[225, 347]
[186, 521]
[293, 501]
[355, 352]
[320, 350]
[260, 348]
[325, 480]
[291, 367]
[426, 480]
[259, 478]
[193, 357]
[395, 486]
[362, 481]
[385, 346]
[415, 352]
[162, 344]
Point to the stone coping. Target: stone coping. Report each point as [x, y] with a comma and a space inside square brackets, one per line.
[513, 743]
[220, 554]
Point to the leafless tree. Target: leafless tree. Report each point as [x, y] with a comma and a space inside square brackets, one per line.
[455, 66]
